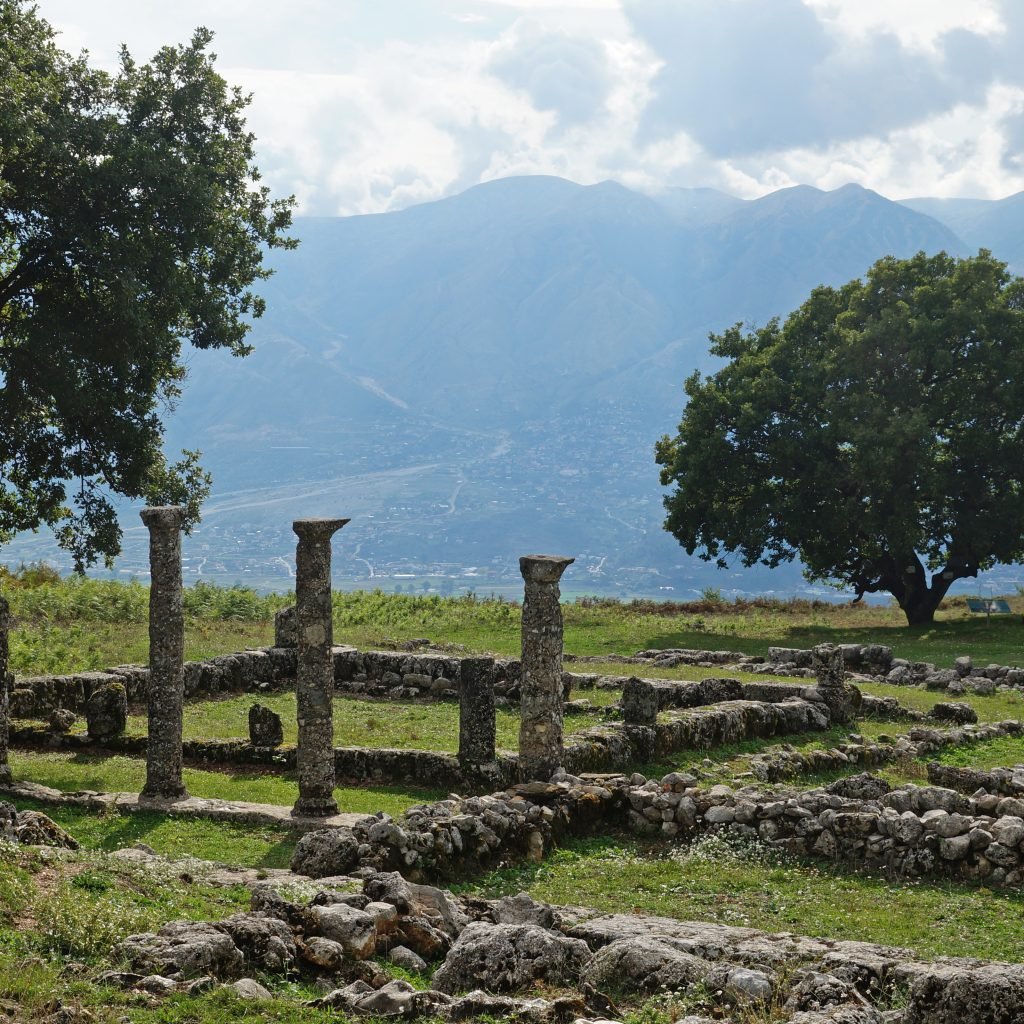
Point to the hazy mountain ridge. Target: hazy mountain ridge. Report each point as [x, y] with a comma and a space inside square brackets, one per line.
[488, 373]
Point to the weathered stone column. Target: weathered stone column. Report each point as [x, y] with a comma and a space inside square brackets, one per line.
[166, 693]
[5, 625]
[314, 681]
[540, 728]
[827, 662]
[477, 727]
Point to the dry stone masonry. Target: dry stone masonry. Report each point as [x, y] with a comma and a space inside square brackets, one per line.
[540, 730]
[166, 653]
[314, 685]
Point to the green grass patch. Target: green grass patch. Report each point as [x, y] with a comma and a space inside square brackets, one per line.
[71, 773]
[1006, 752]
[998, 707]
[750, 887]
[76, 624]
[225, 842]
[403, 725]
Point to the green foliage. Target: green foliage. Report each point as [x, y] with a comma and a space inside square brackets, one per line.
[86, 928]
[875, 434]
[131, 220]
[15, 886]
[627, 876]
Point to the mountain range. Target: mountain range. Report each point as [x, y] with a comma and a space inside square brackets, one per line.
[484, 376]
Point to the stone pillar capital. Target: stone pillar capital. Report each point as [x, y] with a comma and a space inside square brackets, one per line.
[163, 517]
[543, 568]
[317, 530]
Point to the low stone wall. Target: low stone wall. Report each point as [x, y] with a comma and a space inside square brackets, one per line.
[916, 831]
[373, 673]
[1005, 781]
[253, 671]
[870, 661]
[603, 748]
[430, 675]
[781, 765]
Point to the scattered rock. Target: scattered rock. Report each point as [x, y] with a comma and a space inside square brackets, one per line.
[61, 721]
[402, 956]
[645, 965]
[510, 957]
[182, 948]
[354, 930]
[32, 828]
[953, 711]
[326, 852]
[266, 942]
[246, 988]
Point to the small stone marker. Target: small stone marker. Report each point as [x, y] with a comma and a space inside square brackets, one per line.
[265, 727]
[166, 654]
[284, 628]
[5, 683]
[639, 703]
[106, 712]
[540, 729]
[314, 683]
[477, 726]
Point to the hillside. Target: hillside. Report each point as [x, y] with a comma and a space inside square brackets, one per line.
[485, 375]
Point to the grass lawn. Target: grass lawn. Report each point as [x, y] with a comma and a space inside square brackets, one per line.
[74, 772]
[1001, 753]
[71, 625]
[403, 725]
[221, 841]
[750, 888]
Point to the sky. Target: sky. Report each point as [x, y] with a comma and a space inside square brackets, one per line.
[362, 106]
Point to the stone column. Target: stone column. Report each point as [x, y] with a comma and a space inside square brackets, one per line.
[166, 693]
[540, 728]
[314, 681]
[827, 662]
[5, 625]
[477, 727]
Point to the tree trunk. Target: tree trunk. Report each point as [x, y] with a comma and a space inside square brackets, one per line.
[920, 606]
[919, 597]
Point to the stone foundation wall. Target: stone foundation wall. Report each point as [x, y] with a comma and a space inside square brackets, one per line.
[780, 765]
[604, 748]
[915, 831]
[247, 671]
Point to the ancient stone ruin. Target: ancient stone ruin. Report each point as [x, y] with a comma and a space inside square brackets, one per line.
[166, 654]
[540, 730]
[368, 880]
[314, 677]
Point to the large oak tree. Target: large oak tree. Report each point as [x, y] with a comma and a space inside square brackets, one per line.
[877, 434]
[132, 221]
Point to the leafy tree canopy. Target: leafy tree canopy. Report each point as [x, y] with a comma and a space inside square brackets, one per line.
[876, 435]
[131, 221]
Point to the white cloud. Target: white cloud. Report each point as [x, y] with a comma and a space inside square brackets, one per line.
[362, 107]
[917, 24]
